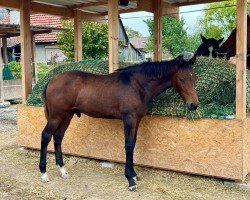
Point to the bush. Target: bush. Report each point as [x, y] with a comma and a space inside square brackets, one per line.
[43, 69]
[15, 69]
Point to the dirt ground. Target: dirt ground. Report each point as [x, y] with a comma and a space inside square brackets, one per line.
[19, 176]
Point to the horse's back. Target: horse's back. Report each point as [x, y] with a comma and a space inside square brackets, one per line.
[89, 93]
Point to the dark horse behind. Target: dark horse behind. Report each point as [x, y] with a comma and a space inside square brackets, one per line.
[125, 94]
[213, 48]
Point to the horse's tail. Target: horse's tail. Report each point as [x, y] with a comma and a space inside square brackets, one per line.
[46, 111]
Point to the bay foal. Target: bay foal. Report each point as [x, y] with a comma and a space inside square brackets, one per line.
[125, 94]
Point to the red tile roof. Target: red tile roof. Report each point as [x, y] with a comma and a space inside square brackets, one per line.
[38, 20]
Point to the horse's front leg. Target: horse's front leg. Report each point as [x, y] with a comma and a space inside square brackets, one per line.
[130, 122]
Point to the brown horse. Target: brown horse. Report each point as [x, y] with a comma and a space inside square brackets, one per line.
[125, 94]
[228, 48]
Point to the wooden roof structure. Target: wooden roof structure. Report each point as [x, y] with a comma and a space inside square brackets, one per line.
[13, 30]
[98, 9]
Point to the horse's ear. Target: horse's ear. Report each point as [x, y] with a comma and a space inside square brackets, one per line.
[203, 38]
[220, 40]
[180, 59]
[192, 60]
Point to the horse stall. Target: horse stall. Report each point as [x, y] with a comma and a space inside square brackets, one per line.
[210, 147]
[219, 148]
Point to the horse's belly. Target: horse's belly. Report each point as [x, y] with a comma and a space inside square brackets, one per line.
[97, 114]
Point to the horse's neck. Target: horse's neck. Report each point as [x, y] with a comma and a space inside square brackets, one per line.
[157, 86]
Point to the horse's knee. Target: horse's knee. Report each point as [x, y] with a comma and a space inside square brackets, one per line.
[58, 138]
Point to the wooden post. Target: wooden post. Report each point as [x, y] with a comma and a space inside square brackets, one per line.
[33, 57]
[241, 51]
[5, 52]
[78, 35]
[113, 25]
[157, 30]
[1, 76]
[25, 36]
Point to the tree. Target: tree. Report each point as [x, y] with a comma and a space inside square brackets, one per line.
[132, 33]
[174, 36]
[94, 40]
[219, 19]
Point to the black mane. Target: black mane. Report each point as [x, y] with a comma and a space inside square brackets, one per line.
[153, 69]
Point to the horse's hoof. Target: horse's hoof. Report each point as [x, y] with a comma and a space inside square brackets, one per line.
[44, 178]
[133, 188]
[65, 175]
[64, 172]
[137, 178]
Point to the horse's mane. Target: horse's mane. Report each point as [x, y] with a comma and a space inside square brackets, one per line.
[154, 69]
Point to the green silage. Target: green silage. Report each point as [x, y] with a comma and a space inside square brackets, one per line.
[215, 86]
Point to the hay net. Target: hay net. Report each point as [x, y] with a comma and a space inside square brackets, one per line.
[215, 86]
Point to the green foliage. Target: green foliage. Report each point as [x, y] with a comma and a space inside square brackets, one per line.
[132, 33]
[94, 40]
[215, 86]
[15, 69]
[219, 22]
[43, 69]
[174, 36]
[7, 75]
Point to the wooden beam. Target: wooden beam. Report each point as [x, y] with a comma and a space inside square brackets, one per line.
[170, 10]
[5, 50]
[39, 8]
[91, 4]
[78, 35]
[25, 36]
[51, 10]
[10, 4]
[113, 25]
[33, 57]
[92, 17]
[241, 52]
[1, 77]
[146, 5]
[157, 30]
[189, 3]
[123, 11]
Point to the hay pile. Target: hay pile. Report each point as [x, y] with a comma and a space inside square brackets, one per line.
[215, 87]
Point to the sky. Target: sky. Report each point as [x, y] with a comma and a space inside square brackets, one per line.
[135, 20]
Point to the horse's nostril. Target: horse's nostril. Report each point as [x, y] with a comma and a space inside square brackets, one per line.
[192, 106]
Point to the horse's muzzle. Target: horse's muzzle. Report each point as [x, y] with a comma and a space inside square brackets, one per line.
[192, 106]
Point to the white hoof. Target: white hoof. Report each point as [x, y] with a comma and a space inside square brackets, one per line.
[44, 178]
[64, 172]
[133, 188]
[137, 178]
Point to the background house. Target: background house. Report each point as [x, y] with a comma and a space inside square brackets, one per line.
[46, 48]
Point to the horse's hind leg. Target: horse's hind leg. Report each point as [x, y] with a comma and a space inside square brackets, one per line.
[46, 137]
[58, 137]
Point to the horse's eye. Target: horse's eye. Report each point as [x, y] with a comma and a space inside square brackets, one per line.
[182, 80]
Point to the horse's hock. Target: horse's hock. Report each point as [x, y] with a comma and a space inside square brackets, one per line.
[219, 148]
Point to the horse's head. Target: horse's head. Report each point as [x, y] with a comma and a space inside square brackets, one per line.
[184, 82]
[209, 47]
